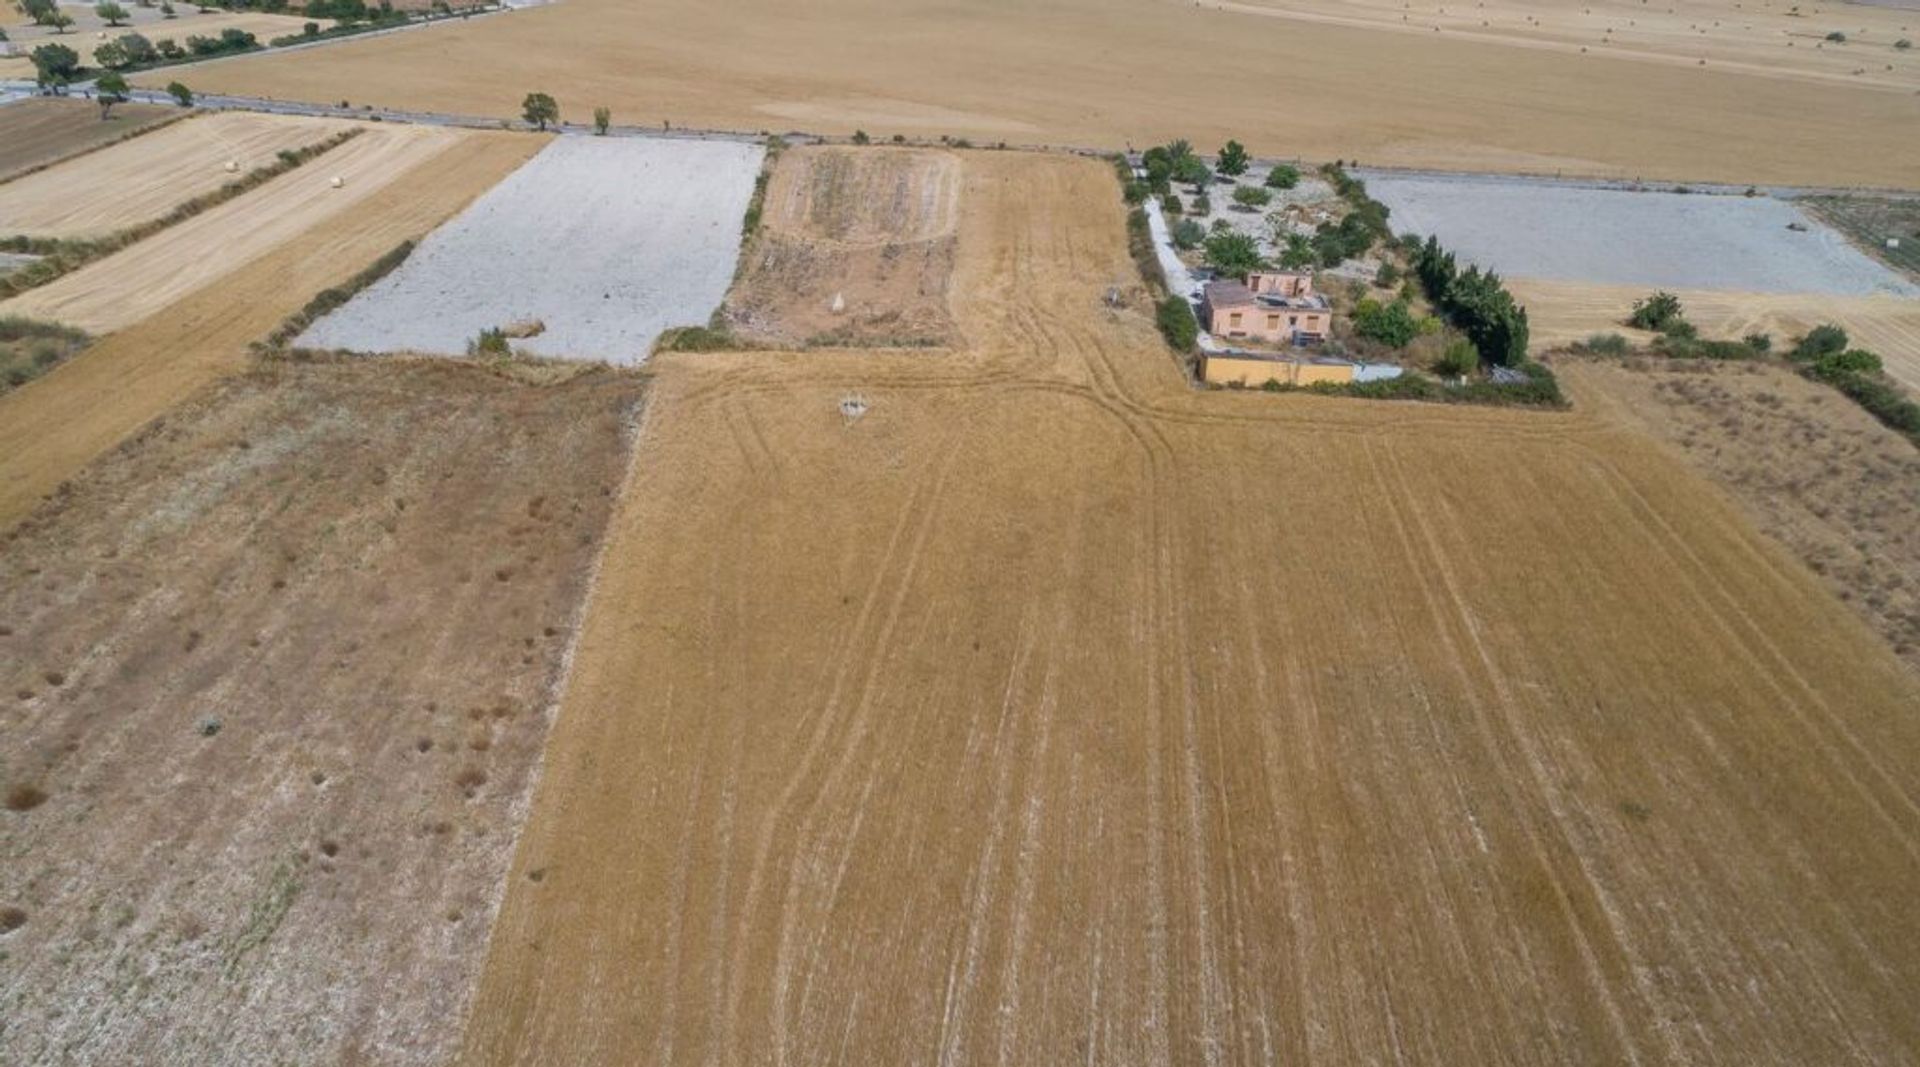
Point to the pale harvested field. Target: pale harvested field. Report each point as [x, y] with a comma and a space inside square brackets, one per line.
[1561, 312]
[42, 130]
[368, 575]
[1813, 469]
[1104, 73]
[1053, 712]
[871, 227]
[146, 177]
[1774, 38]
[154, 273]
[90, 31]
[59, 423]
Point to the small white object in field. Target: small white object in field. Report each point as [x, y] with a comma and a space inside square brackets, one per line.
[337, 181]
[1893, 242]
[232, 165]
[839, 303]
[853, 405]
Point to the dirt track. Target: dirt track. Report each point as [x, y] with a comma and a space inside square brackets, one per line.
[1105, 73]
[147, 176]
[1054, 713]
[54, 426]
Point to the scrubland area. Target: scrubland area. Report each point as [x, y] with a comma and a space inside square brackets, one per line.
[280, 669]
[1104, 73]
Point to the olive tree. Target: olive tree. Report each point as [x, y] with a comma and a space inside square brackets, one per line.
[540, 109]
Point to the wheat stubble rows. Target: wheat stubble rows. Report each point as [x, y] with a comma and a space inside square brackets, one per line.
[1053, 713]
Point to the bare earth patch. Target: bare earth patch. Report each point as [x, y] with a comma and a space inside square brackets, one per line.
[872, 228]
[1816, 472]
[276, 678]
[41, 130]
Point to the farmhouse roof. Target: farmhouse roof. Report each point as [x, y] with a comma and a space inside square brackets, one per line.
[1228, 294]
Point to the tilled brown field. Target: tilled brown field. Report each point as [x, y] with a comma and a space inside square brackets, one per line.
[870, 227]
[36, 132]
[1051, 712]
[278, 675]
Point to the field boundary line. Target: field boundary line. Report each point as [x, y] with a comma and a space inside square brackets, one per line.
[129, 135]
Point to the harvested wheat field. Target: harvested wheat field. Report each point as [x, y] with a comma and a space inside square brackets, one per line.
[59, 423]
[1106, 73]
[870, 228]
[1814, 470]
[279, 673]
[140, 280]
[1053, 712]
[146, 177]
[1561, 312]
[39, 131]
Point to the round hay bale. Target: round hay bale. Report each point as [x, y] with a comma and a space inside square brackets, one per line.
[337, 181]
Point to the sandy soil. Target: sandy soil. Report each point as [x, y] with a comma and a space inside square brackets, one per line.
[1107, 72]
[1561, 312]
[54, 426]
[1613, 236]
[368, 576]
[146, 177]
[1814, 471]
[41, 130]
[140, 280]
[1053, 712]
[606, 240]
[873, 227]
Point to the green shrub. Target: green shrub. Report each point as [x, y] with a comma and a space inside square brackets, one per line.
[1283, 177]
[1251, 197]
[1604, 344]
[1232, 253]
[1852, 361]
[1656, 312]
[1459, 360]
[1759, 342]
[1390, 324]
[1387, 276]
[1175, 319]
[1201, 205]
[1188, 234]
[1824, 340]
[1837, 37]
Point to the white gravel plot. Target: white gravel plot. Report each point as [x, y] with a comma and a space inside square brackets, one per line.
[606, 240]
[1533, 229]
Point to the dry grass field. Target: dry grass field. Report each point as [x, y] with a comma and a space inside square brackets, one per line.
[90, 31]
[144, 178]
[1561, 312]
[39, 131]
[1053, 712]
[1814, 470]
[54, 426]
[1103, 73]
[873, 227]
[281, 668]
[155, 273]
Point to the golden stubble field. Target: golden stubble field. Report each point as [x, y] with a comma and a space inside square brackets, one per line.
[43, 130]
[146, 177]
[1052, 712]
[1105, 73]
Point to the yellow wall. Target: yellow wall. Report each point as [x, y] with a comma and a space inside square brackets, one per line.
[1223, 370]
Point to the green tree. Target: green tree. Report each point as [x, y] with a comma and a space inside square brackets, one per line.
[1233, 160]
[1298, 252]
[540, 109]
[1232, 253]
[40, 11]
[113, 13]
[60, 21]
[1191, 170]
[1459, 360]
[111, 55]
[110, 89]
[1283, 177]
[1656, 312]
[1201, 205]
[602, 118]
[1251, 197]
[1188, 234]
[54, 65]
[180, 93]
[860, 137]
